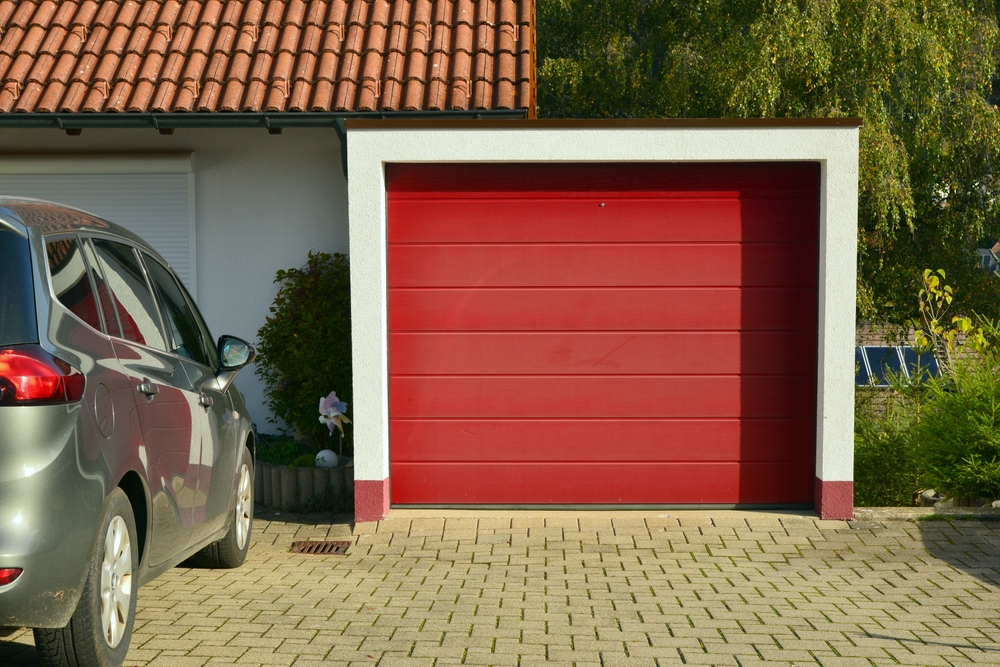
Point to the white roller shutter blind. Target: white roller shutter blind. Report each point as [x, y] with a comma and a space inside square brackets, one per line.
[156, 206]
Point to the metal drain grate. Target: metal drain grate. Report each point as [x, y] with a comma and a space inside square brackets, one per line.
[321, 548]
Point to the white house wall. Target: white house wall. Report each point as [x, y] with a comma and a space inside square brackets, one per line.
[373, 145]
[261, 203]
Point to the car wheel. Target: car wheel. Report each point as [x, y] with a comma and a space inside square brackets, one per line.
[232, 549]
[100, 630]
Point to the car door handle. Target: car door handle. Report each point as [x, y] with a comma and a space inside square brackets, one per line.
[205, 401]
[147, 388]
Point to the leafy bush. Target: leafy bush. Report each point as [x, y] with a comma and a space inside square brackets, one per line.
[887, 471]
[305, 345]
[959, 435]
[280, 450]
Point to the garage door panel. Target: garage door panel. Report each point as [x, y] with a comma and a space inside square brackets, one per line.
[656, 309]
[592, 352]
[777, 219]
[625, 333]
[607, 396]
[506, 181]
[607, 483]
[555, 440]
[604, 265]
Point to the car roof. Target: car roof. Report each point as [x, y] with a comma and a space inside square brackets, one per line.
[49, 218]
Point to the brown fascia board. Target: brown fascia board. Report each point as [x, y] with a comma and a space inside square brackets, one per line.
[596, 123]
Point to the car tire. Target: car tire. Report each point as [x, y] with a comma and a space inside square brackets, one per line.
[100, 630]
[232, 549]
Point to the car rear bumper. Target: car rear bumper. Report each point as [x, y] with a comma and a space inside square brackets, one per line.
[49, 510]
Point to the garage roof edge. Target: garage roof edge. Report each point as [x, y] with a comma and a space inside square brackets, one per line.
[495, 123]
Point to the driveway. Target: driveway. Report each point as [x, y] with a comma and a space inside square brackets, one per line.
[590, 588]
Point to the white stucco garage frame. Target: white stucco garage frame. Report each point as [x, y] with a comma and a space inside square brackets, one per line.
[833, 143]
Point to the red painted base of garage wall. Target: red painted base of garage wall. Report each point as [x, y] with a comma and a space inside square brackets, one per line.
[371, 500]
[834, 500]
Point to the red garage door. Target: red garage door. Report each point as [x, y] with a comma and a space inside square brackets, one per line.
[628, 334]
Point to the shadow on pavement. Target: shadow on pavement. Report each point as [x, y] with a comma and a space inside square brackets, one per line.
[15, 653]
[970, 545]
[316, 519]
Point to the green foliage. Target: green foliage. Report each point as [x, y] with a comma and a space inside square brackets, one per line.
[918, 75]
[886, 467]
[931, 333]
[280, 450]
[959, 434]
[305, 345]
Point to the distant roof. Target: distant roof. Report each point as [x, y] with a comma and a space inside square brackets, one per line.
[165, 56]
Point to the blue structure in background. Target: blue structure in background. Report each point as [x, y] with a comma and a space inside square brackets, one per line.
[875, 362]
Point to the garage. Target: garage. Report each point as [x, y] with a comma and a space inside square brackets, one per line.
[609, 334]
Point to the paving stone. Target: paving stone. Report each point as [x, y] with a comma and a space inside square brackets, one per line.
[586, 588]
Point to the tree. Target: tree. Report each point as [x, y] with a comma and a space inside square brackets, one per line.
[918, 73]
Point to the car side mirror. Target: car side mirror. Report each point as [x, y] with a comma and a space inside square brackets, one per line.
[235, 353]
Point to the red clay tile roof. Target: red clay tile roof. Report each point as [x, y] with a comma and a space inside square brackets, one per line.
[72, 56]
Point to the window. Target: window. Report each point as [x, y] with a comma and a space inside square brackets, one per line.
[70, 282]
[873, 364]
[103, 294]
[177, 313]
[17, 296]
[134, 304]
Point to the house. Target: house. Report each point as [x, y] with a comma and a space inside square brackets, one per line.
[214, 129]
[544, 313]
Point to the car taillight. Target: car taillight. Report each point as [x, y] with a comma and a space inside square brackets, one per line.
[9, 574]
[29, 374]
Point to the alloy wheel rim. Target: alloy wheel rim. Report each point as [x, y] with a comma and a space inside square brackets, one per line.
[244, 507]
[116, 582]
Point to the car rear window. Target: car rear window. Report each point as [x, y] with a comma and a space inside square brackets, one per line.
[17, 293]
[70, 281]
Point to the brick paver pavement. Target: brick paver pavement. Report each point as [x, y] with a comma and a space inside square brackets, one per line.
[584, 588]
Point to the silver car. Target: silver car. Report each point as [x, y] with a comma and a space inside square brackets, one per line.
[125, 448]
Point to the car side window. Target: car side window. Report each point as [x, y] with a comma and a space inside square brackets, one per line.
[103, 294]
[177, 314]
[133, 299]
[70, 283]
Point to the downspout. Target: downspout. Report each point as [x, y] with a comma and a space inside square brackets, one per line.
[341, 130]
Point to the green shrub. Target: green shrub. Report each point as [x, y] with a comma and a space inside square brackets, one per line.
[887, 471]
[305, 346]
[279, 450]
[959, 434]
